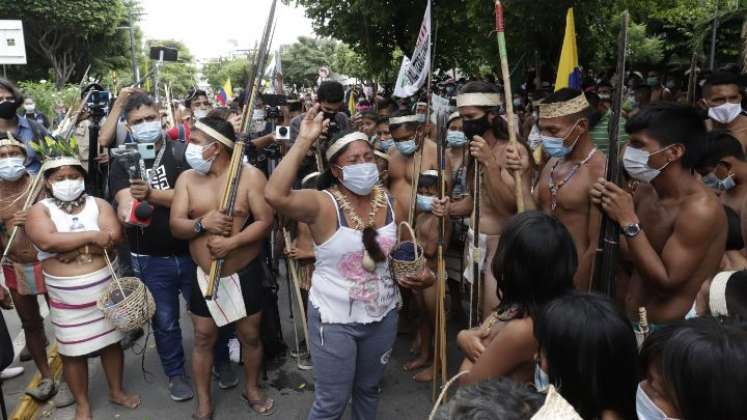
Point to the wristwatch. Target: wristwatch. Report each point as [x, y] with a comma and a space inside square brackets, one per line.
[631, 231]
[199, 228]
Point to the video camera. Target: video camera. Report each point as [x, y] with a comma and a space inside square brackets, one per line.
[98, 101]
[132, 156]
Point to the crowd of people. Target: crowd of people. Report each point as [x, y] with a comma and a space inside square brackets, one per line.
[338, 194]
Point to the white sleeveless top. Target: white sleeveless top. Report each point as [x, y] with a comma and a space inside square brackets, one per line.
[341, 289]
[87, 219]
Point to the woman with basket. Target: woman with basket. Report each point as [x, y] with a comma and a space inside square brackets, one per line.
[73, 232]
[353, 299]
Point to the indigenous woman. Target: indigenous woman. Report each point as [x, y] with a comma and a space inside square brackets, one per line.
[353, 299]
[72, 231]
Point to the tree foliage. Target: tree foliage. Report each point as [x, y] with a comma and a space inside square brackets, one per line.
[302, 60]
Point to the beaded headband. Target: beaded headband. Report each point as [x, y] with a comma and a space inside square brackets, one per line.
[561, 109]
[11, 141]
[344, 141]
[214, 134]
[478, 99]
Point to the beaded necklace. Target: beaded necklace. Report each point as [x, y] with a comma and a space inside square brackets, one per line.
[555, 188]
[378, 201]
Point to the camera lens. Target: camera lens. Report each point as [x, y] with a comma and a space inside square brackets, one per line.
[283, 131]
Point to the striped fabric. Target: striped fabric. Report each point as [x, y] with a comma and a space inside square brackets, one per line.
[26, 279]
[600, 133]
[79, 326]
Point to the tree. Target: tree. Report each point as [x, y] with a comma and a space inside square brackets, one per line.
[219, 71]
[67, 35]
[180, 75]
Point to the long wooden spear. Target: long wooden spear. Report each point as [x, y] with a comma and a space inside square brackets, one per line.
[234, 175]
[508, 97]
[440, 360]
[605, 261]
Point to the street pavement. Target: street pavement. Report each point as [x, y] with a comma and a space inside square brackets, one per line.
[293, 389]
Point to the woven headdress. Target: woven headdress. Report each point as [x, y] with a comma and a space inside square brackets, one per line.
[57, 152]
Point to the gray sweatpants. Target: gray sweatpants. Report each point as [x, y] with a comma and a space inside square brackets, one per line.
[349, 359]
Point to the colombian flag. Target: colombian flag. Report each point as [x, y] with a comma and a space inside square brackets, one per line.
[569, 74]
[226, 93]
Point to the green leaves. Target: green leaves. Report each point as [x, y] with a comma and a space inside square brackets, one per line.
[50, 147]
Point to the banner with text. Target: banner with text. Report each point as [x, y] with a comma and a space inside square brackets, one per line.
[414, 72]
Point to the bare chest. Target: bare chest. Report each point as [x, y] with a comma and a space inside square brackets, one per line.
[206, 195]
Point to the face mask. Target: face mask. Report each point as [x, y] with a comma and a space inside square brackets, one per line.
[8, 110]
[455, 139]
[604, 96]
[652, 81]
[476, 127]
[555, 146]
[541, 379]
[424, 203]
[725, 113]
[635, 162]
[407, 147]
[11, 168]
[30, 108]
[193, 155]
[727, 183]
[68, 190]
[360, 178]
[535, 138]
[711, 181]
[646, 409]
[385, 145]
[200, 113]
[147, 132]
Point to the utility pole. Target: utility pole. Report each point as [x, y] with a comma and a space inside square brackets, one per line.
[135, 68]
[714, 32]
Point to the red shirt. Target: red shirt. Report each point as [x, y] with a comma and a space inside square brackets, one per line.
[173, 133]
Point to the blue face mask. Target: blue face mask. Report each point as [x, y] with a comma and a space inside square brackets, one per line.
[555, 146]
[407, 147]
[455, 138]
[727, 183]
[424, 203]
[711, 181]
[385, 145]
[147, 132]
[541, 379]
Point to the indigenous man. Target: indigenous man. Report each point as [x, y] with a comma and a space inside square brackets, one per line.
[574, 165]
[486, 130]
[412, 154]
[22, 271]
[674, 235]
[195, 216]
[723, 97]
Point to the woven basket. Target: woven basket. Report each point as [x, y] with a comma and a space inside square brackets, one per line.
[403, 268]
[126, 302]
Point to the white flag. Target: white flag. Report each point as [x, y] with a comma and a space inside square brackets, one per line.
[414, 72]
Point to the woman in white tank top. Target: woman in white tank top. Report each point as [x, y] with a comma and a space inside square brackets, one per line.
[353, 300]
[71, 231]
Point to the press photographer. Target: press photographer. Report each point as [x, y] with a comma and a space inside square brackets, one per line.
[142, 178]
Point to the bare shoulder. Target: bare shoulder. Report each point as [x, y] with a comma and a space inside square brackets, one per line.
[598, 164]
[102, 204]
[186, 176]
[701, 216]
[253, 174]
[519, 330]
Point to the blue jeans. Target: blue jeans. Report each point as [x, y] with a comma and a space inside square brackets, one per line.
[166, 277]
[349, 359]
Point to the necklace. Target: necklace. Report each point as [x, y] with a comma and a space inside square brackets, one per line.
[17, 196]
[555, 188]
[378, 201]
[69, 206]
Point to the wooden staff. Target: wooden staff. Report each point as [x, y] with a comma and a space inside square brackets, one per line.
[692, 80]
[474, 294]
[169, 107]
[508, 98]
[236, 165]
[605, 261]
[440, 359]
[293, 268]
[33, 192]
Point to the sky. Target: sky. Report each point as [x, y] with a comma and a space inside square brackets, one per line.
[212, 28]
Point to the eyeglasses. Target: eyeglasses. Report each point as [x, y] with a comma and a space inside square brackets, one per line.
[7, 99]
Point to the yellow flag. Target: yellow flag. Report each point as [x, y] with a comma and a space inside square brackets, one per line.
[228, 89]
[569, 74]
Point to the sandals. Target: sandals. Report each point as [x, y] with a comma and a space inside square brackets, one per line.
[44, 391]
[254, 403]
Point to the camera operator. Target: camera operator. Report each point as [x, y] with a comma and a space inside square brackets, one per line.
[89, 122]
[330, 96]
[160, 260]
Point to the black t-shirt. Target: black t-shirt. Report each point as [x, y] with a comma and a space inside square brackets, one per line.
[156, 239]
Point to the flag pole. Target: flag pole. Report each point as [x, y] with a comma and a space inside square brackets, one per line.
[508, 98]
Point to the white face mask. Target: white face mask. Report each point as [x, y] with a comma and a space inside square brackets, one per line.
[68, 190]
[360, 178]
[635, 162]
[201, 113]
[725, 113]
[11, 169]
[646, 409]
[29, 108]
[194, 158]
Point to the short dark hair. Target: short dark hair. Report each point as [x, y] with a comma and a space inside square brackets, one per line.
[704, 365]
[137, 100]
[385, 103]
[220, 125]
[192, 95]
[566, 94]
[718, 145]
[9, 86]
[670, 123]
[370, 115]
[330, 91]
[591, 352]
[535, 261]
[720, 78]
[499, 398]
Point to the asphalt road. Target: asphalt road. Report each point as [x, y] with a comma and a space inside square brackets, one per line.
[401, 398]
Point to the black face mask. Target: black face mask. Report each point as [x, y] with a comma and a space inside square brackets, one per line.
[8, 110]
[476, 127]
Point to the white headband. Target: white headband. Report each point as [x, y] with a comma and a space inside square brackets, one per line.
[429, 172]
[344, 141]
[214, 134]
[309, 177]
[717, 294]
[478, 99]
[454, 116]
[418, 118]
